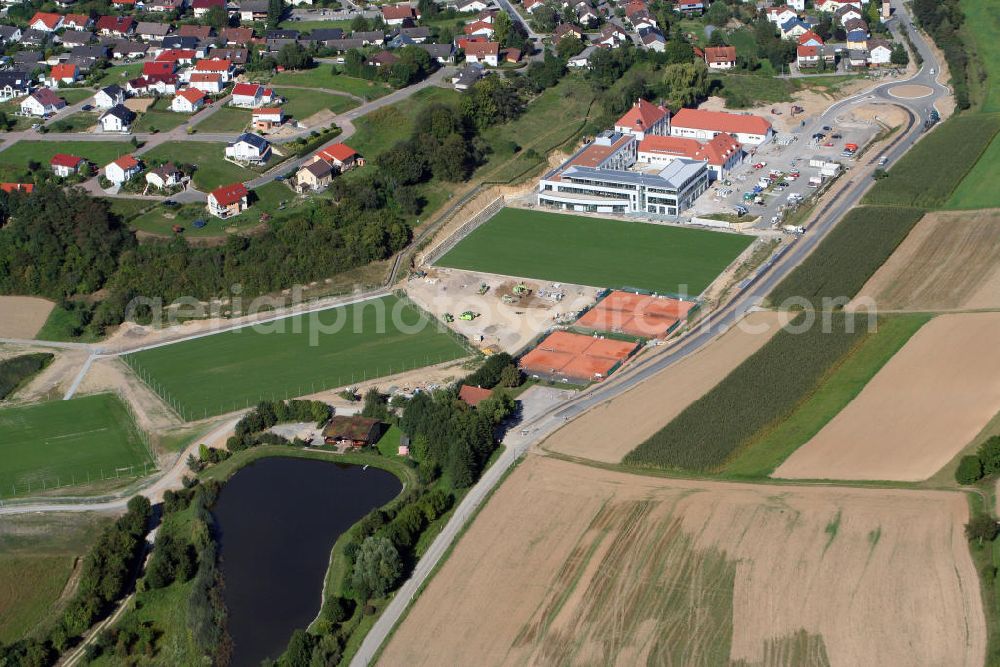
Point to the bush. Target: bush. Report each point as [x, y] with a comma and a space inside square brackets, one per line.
[989, 455]
[970, 470]
[491, 372]
[982, 528]
[16, 370]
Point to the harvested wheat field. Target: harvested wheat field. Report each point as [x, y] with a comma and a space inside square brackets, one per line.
[23, 316]
[949, 261]
[932, 398]
[570, 564]
[609, 432]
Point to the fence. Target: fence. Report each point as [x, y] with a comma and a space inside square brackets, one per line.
[438, 251]
[77, 477]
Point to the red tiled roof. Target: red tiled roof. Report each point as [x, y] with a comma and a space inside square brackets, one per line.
[720, 54]
[476, 26]
[720, 121]
[76, 19]
[63, 71]
[17, 187]
[127, 162]
[390, 12]
[192, 95]
[48, 19]
[642, 116]
[482, 49]
[207, 4]
[65, 160]
[119, 24]
[596, 153]
[228, 195]
[175, 55]
[205, 77]
[338, 152]
[159, 67]
[716, 151]
[807, 51]
[220, 65]
[809, 35]
[249, 89]
[268, 112]
[473, 395]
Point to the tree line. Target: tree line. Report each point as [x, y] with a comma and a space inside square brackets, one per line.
[942, 19]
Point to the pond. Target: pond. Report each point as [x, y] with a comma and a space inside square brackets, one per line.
[278, 518]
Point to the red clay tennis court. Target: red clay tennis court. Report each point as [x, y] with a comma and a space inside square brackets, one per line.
[568, 356]
[636, 314]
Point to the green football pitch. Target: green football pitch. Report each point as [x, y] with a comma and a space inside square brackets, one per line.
[60, 443]
[597, 252]
[294, 356]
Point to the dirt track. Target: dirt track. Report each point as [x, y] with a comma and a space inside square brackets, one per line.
[611, 431]
[23, 316]
[569, 564]
[931, 399]
[949, 261]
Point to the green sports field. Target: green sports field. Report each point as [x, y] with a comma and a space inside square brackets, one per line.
[64, 442]
[294, 356]
[596, 252]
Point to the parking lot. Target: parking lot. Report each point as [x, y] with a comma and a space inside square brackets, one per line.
[786, 154]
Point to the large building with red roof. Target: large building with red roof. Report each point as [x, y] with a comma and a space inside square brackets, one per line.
[704, 125]
[644, 118]
[722, 153]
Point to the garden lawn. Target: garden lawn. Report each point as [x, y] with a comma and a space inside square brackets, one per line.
[159, 117]
[322, 76]
[60, 442]
[301, 104]
[160, 220]
[765, 453]
[212, 168]
[98, 152]
[81, 121]
[294, 356]
[226, 119]
[979, 187]
[597, 252]
[119, 74]
[74, 95]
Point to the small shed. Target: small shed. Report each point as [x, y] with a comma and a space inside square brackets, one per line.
[352, 431]
[473, 396]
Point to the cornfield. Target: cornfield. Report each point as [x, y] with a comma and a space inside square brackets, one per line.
[758, 394]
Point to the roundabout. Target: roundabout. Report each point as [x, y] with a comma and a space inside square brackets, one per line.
[911, 91]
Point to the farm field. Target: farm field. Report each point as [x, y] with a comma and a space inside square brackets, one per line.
[931, 400]
[762, 391]
[765, 452]
[212, 168]
[569, 564]
[982, 20]
[98, 152]
[61, 442]
[37, 553]
[596, 251]
[23, 316]
[747, 90]
[322, 76]
[610, 431]
[293, 357]
[849, 255]
[953, 147]
[978, 188]
[951, 260]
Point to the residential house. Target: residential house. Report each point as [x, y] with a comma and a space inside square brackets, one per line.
[153, 84]
[689, 6]
[183, 42]
[237, 36]
[321, 36]
[443, 53]
[41, 103]
[10, 188]
[109, 96]
[223, 68]
[879, 52]
[341, 157]
[14, 83]
[342, 45]
[370, 37]
[207, 82]
[253, 10]
[201, 7]
[315, 176]
[64, 74]
[704, 125]
[127, 49]
[653, 39]
[383, 59]
[793, 28]
[32, 37]
[857, 58]
[152, 32]
[582, 59]
[512, 56]
[77, 22]
[483, 52]
[832, 6]
[481, 29]
[398, 14]
[159, 67]
[123, 169]
[612, 36]
[275, 39]
[847, 13]
[467, 76]
[467, 6]
[858, 40]
[857, 24]
[473, 396]
[265, 120]
[353, 431]
[236, 56]
[64, 165]
[807, 55]
[251, 95]
[564, 30]
[118, 118]
[166, 5]
[165, 176]
[45, 22]
[202, 33]
[9, 34]
[188, 101]
[586, 15]
[780, 15]
[720, 57]
[644, 119]
[116, 26]
[419, 34]
[532, 6]
[74, 38]
[797, 5]
[398, 41]
[27, 60]
[228, 200]
[124, 4]
[249, 148]
[175, 58]
[810, 38]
